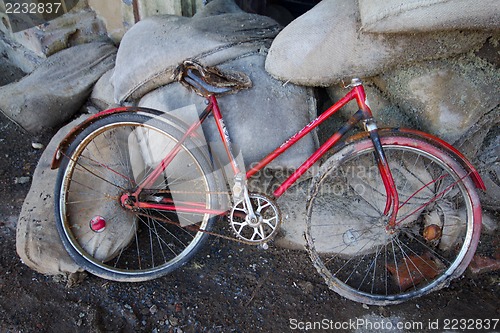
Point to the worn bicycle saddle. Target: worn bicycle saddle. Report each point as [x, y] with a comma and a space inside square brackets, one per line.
[206, 80]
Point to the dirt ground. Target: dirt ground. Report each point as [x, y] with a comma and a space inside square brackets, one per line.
[228, 287]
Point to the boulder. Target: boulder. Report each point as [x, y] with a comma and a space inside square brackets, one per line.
[102, 93]
[384, 111]
[218, 7]
[8, 71]
[444, 98]
[394, 16]
[154, 47]
[254, 117]
[18, 55]
[321, 54]
[37, 241]
[73, 28]
[27, 17]
[57, 89]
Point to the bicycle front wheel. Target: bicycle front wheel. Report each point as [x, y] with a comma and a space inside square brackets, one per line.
[437, 226]
[110, 158]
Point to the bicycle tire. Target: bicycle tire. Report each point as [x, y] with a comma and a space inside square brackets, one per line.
[110, 157]
[433, 243]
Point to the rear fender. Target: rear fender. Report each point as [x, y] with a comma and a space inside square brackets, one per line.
[70, 137]
[441, 144]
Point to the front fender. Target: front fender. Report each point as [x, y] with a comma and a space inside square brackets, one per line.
[68, 139]
[441, 144]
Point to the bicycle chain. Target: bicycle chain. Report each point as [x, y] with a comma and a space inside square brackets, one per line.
[197, 229]
[187, 192]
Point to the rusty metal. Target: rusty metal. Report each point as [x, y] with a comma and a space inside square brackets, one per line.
[206, 81]
[197, 229]
[135, 9]
[432, 232]
[426, 137]
[70, 137]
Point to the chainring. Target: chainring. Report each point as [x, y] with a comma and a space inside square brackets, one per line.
[266, 225]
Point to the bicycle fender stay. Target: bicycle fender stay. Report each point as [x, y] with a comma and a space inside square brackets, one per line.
[70, 137]
[441, 144]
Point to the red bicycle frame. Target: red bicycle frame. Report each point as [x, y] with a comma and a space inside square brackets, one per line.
[363, 114]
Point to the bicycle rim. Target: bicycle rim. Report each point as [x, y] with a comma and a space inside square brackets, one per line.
[111, 158]
[435, 232]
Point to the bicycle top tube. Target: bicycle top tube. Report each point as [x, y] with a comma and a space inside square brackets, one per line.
[357, 93]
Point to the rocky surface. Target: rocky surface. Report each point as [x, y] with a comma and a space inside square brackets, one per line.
[444, 97]
[37, 241]
[392, 16]
[212, 40]
[312, 54]
[57, 88]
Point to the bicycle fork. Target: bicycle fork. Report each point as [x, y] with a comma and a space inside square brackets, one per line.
[392, 200]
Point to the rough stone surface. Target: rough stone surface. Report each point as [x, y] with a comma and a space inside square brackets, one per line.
[254, 117]
[386, 113]
[169, 40]
[10, 72]
[18, 55]
[445, 98]
[57, 89]
[102, 93]
[37, 241]
[71, 29]
[218, 7]
[395, 16]
[313, 54]
[488, 163]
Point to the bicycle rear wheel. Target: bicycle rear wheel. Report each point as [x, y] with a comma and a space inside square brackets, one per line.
[438, 222]
[111, 157]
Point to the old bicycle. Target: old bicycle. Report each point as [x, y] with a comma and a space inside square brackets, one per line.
[392, 214]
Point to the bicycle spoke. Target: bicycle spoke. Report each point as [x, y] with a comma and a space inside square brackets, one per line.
[369, 262]
[109, 160]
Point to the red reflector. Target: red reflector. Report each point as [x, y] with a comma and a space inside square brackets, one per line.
[98, 224]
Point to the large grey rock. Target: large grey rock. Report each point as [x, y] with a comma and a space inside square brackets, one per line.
[37, 241]
[73, 28]
[17, 54]
[57, 89]
[8, 71]
[396, 16]
[218, 7]
[154, 47]
[445, 98]
[102, 93]
[325, 45]
[259, 119]
[384, 111]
